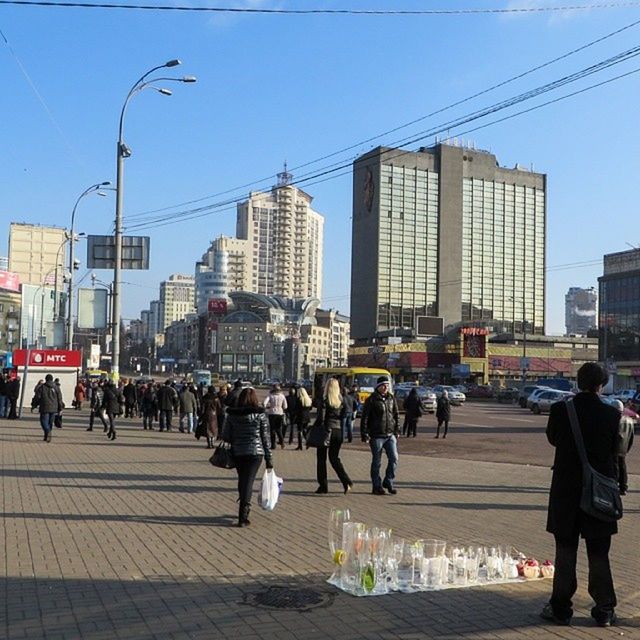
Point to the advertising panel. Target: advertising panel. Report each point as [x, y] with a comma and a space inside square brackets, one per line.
[47, 358]
[217, 306]
[9, 281]
[92, 309]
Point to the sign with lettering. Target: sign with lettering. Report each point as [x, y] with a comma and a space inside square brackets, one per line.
[47, 358]
[9, 281]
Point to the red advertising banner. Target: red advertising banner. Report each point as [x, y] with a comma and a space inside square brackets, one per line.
[217, 306]
[48, 358]
[474, 345]
[9, 280]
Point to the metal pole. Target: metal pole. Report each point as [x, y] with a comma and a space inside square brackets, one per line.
[117, 271]
[70, 294]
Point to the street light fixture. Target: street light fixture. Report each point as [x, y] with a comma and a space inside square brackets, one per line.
[122, 152]
[94, 188]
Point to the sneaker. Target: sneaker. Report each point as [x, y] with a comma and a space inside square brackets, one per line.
[378, 491]
[389, 487]
[548, 614]
[606, 619]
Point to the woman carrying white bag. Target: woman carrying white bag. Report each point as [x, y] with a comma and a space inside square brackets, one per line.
[247, 429]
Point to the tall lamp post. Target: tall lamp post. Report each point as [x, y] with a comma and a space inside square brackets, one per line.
[94, 188]
[122, 152]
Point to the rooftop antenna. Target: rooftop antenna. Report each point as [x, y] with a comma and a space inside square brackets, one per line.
[631, 245]
[284, 178]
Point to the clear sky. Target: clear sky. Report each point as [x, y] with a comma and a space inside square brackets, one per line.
[298, 88]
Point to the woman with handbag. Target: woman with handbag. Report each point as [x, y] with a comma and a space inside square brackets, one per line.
[303, 415]
[330, 415]
[246, 428]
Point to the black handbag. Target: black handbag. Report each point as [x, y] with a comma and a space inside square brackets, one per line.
[600, 497]
[318, 435]
[222, 456]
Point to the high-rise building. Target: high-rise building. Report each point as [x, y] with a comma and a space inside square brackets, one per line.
[580, 311]
[285, 238]
[177, 299]
[224, 267]
[37, 253]
[446, 232]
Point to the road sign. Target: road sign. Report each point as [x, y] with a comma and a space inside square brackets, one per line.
[101, 252]
[525, 363]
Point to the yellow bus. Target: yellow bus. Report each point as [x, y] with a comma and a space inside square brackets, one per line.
[363, 377]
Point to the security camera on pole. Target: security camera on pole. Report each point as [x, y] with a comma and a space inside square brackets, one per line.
[122, 152]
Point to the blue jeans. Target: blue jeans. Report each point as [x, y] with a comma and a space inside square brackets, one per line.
[188, 418]
[4, 406]
[347, 427]
[390, 446]
[165, 419]
[46, 421]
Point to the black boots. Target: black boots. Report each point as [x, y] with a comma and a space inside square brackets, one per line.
[209, 443]
[243, 514]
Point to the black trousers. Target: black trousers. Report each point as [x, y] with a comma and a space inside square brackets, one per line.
[112, 422]
[334, 459]
[246, 468]
[600, 580]
[623, 478]
[92, 417]
[446, 426]
[13, 404]
[275, 426]
[412, 427]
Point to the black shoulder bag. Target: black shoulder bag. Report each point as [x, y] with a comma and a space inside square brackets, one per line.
[600, 494]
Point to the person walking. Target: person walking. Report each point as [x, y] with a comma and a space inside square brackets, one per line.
[130, 395]
[443, 413]
[330, 414]
[50, 404]
[58, 419]
[625, 442]
[247, 429]
[149, 406]
[302, 415]
[276, 404]
[111, 403]
[212, 416]
[351, 409]
[97, 396]
[289, 415]
[412, 413]
[231, 398]
[79, 395]
[599, 425]
[13, 394]
[168, 402]
[379, 428]
[188, 409]
[4, 401]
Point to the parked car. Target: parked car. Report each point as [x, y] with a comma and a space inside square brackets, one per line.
[625, 395]
[545, 399]
[533, 397]
[525, 392]
[455, 397]
[507, 395]
[479, 391]
[426, 395]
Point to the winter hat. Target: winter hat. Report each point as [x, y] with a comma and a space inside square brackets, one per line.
[382, 380]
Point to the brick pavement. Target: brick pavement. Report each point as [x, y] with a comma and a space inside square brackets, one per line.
[135, 539]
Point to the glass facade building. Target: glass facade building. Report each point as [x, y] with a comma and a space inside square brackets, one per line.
[457, 236]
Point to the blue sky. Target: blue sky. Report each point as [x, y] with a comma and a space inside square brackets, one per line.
[272, 88]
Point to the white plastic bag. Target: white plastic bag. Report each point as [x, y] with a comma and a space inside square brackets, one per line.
[269, 490]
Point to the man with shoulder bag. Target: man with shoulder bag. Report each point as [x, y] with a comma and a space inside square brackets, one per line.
[583, 499]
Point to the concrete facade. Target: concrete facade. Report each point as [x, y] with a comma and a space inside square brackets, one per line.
[475, 233]
[177, 299]
[580, 310]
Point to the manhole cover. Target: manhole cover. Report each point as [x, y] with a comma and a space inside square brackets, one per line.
[291, 599]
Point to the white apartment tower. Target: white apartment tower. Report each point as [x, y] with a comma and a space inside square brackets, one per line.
[177, 296]
[285, 240]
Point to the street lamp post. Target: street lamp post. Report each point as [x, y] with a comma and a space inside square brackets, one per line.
[94, 188]
[122, 152]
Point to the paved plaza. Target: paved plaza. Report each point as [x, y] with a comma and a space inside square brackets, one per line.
[135, 539]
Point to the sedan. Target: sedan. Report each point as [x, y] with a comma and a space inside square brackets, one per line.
[426, 395]
[455, 397]
[544, 400]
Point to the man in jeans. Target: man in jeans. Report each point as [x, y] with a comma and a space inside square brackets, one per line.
[50, 404]
[379, 427]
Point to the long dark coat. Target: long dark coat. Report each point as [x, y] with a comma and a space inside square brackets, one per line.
[599, 426]
[443, 409]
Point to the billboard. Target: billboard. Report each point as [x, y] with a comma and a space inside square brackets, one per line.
[217, 306]
[92, 309]
[47, 358]
[429, 326]
[9, 281]
[101, 252]
[460, 371]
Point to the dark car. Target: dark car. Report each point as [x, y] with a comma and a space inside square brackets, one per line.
[507, 396]
[426, 395]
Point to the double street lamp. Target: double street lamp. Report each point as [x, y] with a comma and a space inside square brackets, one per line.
[94, 188]
[122, 152]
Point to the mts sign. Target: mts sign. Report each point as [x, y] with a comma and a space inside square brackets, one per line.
[47, 358]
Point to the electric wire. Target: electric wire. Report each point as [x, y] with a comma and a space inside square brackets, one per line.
[332, 12]
[402, 126]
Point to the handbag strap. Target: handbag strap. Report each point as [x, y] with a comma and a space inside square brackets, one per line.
[577, 434]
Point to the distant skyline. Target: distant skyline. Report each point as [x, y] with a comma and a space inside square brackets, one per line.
[297, 88]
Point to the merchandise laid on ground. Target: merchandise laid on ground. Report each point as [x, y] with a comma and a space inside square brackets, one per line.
[370, 561]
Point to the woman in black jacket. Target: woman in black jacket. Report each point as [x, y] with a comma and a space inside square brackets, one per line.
[247, 429]
[111, 402]
[330, 413]
[443, 413]
[413, 411]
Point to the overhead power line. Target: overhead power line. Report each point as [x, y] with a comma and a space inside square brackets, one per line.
[263, 181]
[333, 12]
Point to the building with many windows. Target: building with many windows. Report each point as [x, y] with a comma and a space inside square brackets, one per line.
[177, 299]
[580, 311]
[446, 232]
[285, 241]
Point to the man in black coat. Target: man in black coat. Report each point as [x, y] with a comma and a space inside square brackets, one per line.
[599, 426]
[13, 394]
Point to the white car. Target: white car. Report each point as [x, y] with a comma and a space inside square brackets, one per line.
[455, 397]
[533, 396]
[625, 395]
[545, 399]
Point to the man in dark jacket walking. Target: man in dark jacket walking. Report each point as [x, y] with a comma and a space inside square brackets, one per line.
[167, 403]
[50, 405]
[599, 426]
[379, 427]
[13, 393]
[130, 394]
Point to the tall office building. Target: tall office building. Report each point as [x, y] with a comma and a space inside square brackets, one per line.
[177, 299]
[447, 232]
[285, 238]
[224, 267]
[34, 252]
[580, 311]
